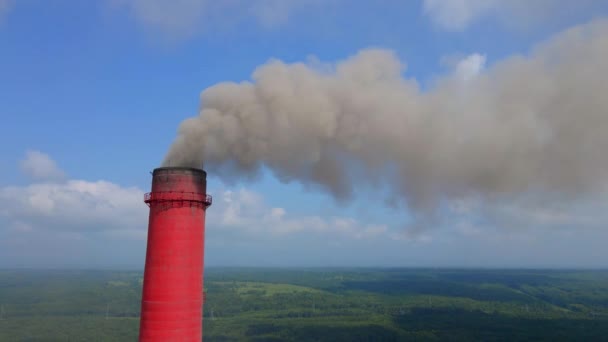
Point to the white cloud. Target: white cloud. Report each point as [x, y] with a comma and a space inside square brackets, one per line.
[531, 213]
[175, 18]
[470, 66]
[39, 166]
[56, 204]
[75, 205]
[180, 19]
[273, 13]
[245, 213]
[457, 15]
[5, 7]
[527, 215]
[100, 223]
[102, 206]
[72, 222]
[464, 68]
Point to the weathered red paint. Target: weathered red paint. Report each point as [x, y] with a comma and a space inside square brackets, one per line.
[172, 297]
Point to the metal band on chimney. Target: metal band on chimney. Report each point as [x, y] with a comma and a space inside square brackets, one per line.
[187, 198]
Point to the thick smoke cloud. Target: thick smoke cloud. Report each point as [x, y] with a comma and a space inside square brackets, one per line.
[528, 125]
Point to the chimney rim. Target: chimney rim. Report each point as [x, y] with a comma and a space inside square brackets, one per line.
[177, 168]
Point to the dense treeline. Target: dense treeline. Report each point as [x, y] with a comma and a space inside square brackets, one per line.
[460, 324]
[319, 305]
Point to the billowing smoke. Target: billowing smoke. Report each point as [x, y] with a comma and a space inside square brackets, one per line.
[528, 124]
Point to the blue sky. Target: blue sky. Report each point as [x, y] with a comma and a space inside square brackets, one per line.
[92, 93]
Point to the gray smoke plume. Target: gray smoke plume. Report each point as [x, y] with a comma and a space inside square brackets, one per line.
[529, 124]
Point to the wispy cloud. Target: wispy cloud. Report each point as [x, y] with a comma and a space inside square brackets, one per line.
[100, 223]
[457, 15]
[56, 211]
[181, 19]
[245, 213]
[39, 166]
[5, 7]
[75, 205]
[92, 206]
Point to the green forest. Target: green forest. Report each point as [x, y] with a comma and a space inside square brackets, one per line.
[317, 304]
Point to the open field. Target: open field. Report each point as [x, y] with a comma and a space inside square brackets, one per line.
[319, 305]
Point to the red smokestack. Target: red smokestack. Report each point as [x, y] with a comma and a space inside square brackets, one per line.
[172, 298]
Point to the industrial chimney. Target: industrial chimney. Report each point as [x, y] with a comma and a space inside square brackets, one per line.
[172, 297]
